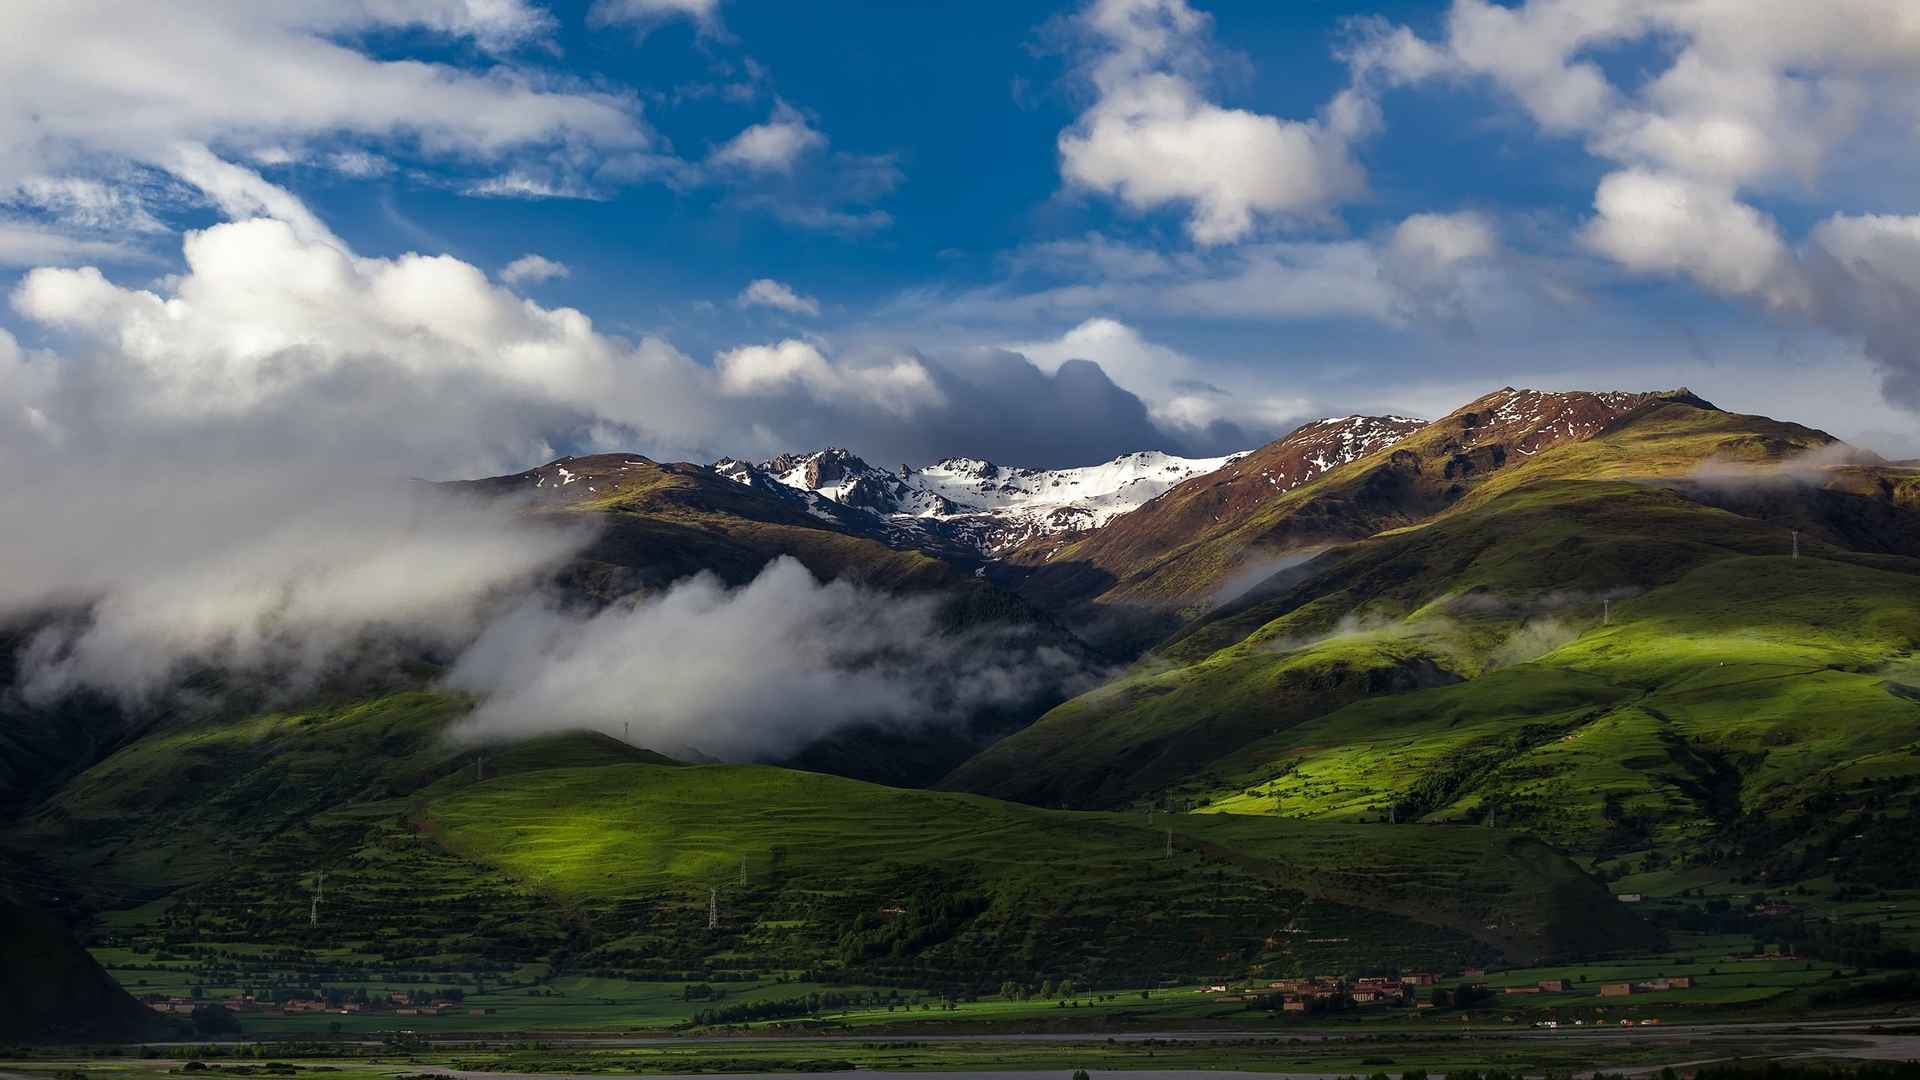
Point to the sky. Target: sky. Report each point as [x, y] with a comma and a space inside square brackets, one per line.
[451, 237]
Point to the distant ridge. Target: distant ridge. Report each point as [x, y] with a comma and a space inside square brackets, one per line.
[972, 503]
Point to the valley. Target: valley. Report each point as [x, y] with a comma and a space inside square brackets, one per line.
[1411, 724]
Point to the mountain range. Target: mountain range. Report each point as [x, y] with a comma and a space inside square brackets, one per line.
[1450, 683]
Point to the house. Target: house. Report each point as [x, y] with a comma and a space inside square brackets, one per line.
[1630, 897]
[1675, 982]
[1553, 986]
[1616, 989]
[480, 1012]
[1419, 979]
[1522, 989]
[1296, 1005]
[1472, 973]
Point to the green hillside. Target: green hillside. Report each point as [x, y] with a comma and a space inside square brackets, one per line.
[205, 849]
[1634, 672]
[1181, 549]
[909, 883]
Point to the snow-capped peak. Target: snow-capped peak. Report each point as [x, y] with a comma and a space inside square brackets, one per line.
[983, 505]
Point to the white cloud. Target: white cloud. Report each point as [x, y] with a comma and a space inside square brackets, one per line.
[895, 384]
[1428, 265]
[204, 72]
[359, 163]
[273, 334]
[83, 203]
[645, 14]
[1152, 138]
[24, 243]
[188, 88]
[520, 184]
[284, 574]
[532, 269]
[1442, 240]
[1746, 99]
[766, 292]
[1653, 222]
[265, 314]
[774, 146]
[756, 671]
[242, 193]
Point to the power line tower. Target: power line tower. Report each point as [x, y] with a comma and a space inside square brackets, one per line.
[1796, 543]
[1606, 611]
[626, 732]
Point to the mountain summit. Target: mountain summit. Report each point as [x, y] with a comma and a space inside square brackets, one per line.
[976, 504]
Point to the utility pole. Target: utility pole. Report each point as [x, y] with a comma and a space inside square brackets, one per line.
[743, 869]
[1606, 612]
[1169, 841]
[626, 732]
[713, 909]
[1796, 543]
[319, 890]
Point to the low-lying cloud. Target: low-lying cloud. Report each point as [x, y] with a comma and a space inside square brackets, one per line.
[279, 580]
[757, 671]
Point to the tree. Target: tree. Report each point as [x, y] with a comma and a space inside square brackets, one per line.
[1066, 988]
[1081, 1074]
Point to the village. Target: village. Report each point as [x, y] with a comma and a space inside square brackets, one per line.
[1319, 993]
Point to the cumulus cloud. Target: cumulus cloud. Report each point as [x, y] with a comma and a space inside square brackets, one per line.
[754, 672]
[280, 320]
[532, 269]
[1152, 138]
[899, 385]
[1657, 222]
[1749, 100]
[774, 146]
[766, 292]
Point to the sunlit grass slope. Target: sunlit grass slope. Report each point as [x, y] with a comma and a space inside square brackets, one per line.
[1629, 666]
[807, 855]
[578, 853]
[1744, 688]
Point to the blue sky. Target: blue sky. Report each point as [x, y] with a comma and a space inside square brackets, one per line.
[1246, 214]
